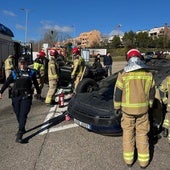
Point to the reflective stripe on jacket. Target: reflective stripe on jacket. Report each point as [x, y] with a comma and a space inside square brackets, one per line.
[52, 70]
[134, 92]
[39, 66]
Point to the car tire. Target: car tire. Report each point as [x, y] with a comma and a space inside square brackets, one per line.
[87, 85]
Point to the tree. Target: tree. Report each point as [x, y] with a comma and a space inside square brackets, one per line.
[116, 43]
[142, 40]
[52, 36]
[129, 39]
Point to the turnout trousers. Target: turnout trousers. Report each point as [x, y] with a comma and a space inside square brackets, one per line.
[135, 132]
[76, 82]
[21, 106]
[51, 92]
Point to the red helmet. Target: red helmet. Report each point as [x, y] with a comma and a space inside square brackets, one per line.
[53, 52]
[41, 54]
[133, 53]
[76, 50]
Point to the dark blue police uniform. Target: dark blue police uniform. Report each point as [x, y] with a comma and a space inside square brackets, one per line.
[21, 95]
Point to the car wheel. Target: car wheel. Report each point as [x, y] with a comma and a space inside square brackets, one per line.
[86, 85]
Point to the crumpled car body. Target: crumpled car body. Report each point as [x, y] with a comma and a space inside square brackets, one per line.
[95, 110]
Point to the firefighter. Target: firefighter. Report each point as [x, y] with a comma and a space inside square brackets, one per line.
[53, 76]
[40, 68]
[164, 92]
[133, 95]
[9, 65]
[78, 66]
[23, 79]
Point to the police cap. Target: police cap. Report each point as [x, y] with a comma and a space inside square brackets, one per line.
[22, 59]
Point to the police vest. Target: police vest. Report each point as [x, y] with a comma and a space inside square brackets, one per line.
[22, 81]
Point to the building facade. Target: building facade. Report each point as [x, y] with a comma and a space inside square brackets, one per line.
[157, 32]
[88, 39]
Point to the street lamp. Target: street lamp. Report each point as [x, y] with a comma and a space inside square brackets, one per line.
[26, 22]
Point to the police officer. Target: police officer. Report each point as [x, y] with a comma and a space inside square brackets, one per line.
[23, 79]
[40, 68]
[165, 96]
[134, 94]
[53, 75]
[78, 66]
[9, 65]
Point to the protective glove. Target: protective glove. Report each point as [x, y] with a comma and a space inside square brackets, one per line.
[118, 112]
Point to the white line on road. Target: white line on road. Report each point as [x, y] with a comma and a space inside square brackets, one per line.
[62, 127]
[55, 112]
[48, 117]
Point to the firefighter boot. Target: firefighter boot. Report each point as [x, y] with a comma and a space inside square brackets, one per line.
[165, 132]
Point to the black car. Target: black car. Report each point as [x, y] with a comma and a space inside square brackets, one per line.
[94, 110]
[90, 77]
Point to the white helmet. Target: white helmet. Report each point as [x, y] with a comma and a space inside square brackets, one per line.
[134, 63]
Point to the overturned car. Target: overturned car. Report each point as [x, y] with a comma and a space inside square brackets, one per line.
[94, 110]
[90, 77]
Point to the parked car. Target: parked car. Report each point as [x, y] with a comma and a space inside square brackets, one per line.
[94, 110]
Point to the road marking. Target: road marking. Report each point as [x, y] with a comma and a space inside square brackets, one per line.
[56, 111]
[63, 127]
[48, 117]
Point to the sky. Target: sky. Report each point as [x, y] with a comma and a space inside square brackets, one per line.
[76, 16]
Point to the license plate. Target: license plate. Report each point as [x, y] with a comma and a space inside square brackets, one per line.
[85, 125]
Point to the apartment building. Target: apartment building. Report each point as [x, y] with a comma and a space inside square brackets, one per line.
[163, 31]
[88, 39]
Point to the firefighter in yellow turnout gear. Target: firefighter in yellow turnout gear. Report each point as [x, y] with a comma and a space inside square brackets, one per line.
[52, 77]
[78, 66]
[40, 68]
[9, 65]
[165, 96]
[133, 95]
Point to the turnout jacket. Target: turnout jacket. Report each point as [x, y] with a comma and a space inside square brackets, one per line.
[53, 69]
[39, 66]
[134, 92]
[78, 66]
[165, 91]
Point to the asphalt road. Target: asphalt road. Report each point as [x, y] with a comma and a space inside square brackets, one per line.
[51, 143]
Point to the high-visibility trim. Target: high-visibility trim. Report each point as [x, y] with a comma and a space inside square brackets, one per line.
[143, 157]
[129, 156]
[117, 104]
[166, 123]
[164, 99]
[150, 102]
[37, 66]
[168, 80]
[169, 137]
[135, 105]
[119, 84]
[136, 77]
[48, 100]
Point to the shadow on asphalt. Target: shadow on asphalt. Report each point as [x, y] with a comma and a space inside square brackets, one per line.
[50, 123]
